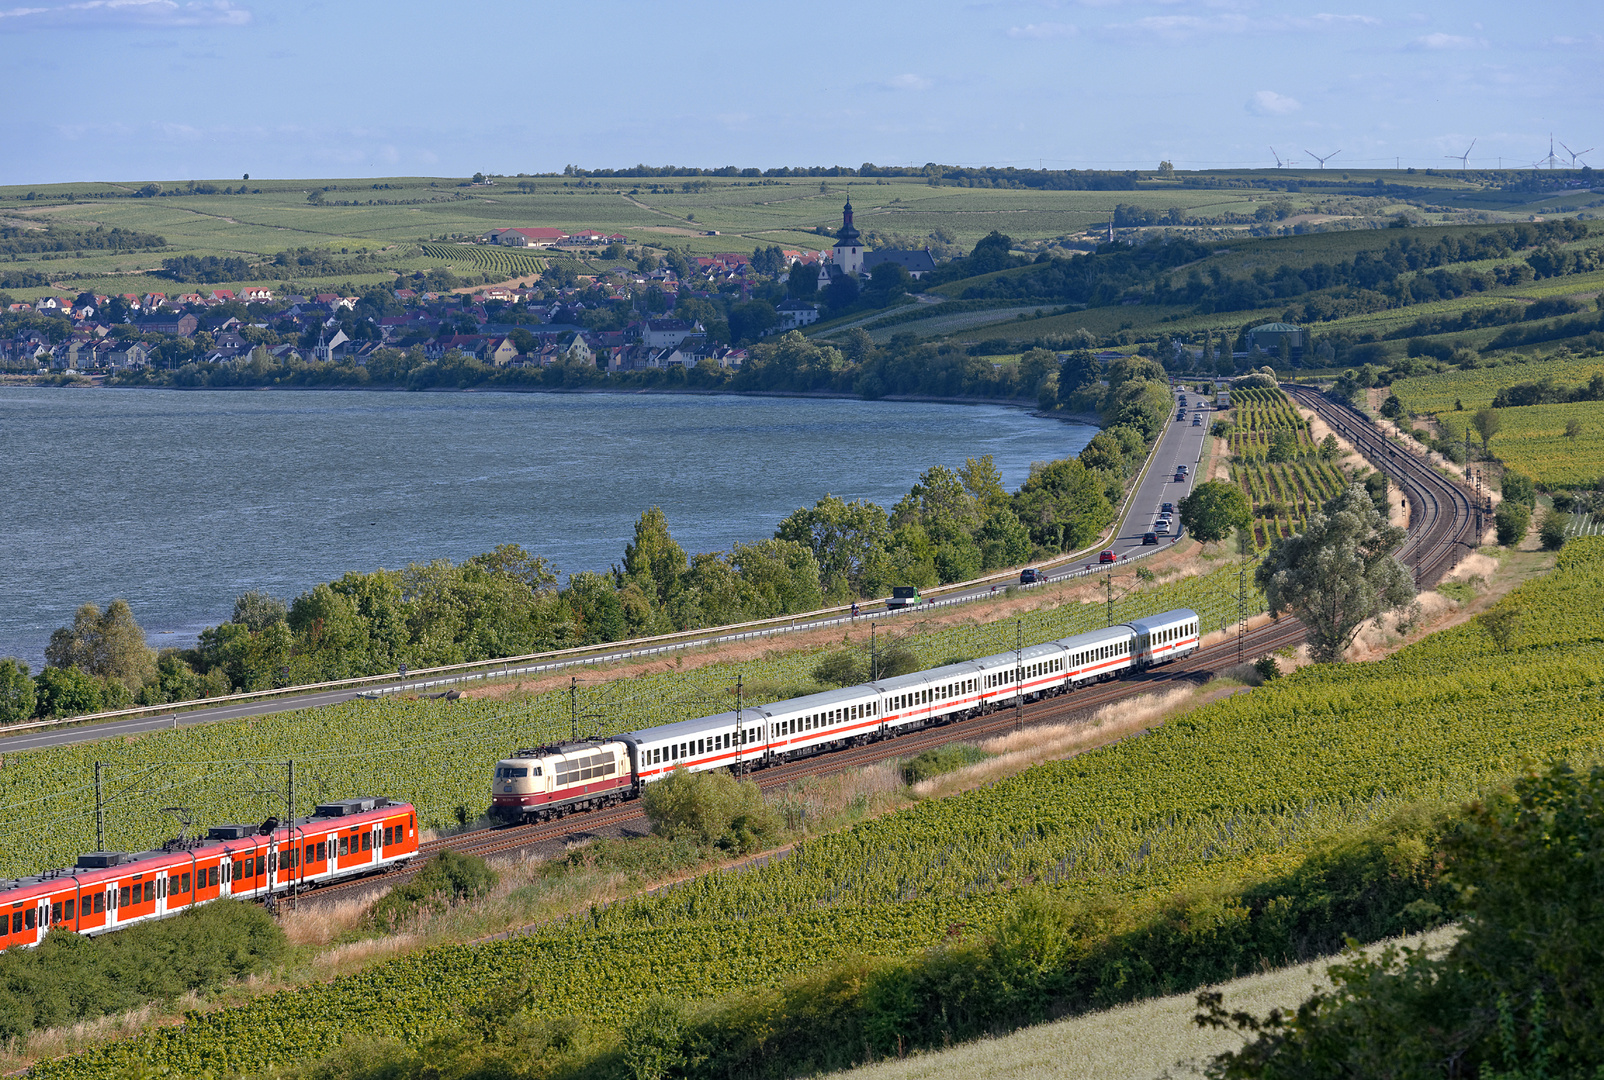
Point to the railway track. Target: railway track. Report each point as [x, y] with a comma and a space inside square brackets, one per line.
[1443, 520]
[1443, 527]
[1060, 709]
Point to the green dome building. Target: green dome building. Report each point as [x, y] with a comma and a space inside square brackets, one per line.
[1270, 336]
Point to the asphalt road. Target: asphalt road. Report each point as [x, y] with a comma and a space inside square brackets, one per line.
[1181, 443]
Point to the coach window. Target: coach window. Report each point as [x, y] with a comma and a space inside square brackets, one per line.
[150, 891]
[29, 918]
[122, 896]
[323, 851]
[367, 841]
[345, 846]
[261, 865]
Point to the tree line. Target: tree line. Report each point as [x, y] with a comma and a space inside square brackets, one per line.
[952, 525]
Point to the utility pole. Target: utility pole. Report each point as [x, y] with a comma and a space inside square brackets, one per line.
[573, 705]
[289, 825]
[1241, 610]
[100, 814]
[1109, 581]
[1019, 673]
[874, 665]
[740, 728]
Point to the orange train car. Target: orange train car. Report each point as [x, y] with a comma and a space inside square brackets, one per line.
[111, 890]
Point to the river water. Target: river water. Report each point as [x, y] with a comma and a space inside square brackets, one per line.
[179, 501]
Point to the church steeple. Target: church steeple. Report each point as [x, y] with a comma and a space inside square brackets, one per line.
[848, 236]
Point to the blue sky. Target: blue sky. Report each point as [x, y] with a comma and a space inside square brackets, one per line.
[213, 89]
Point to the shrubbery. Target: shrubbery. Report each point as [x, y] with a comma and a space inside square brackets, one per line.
[711, 808]
[70, 978]
[450, 877]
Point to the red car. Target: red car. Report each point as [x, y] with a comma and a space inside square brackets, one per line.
[1108, 556]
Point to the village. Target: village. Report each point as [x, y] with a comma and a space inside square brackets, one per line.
[644, 314]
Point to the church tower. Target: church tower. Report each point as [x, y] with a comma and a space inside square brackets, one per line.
[848, 248]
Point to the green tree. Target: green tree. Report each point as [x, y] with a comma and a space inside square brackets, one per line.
[1518, 996]
[66, 691]
[256, 610]
[595, 611]
[1336, 574]
[849, 542]
[1213, 509]
[16, 691]
[1062, 506]
[1552, 530]
[711, 808]
[1573, 428]
[108, 645]
[1329, 450]
[1486, 424]
[887, 282]
[748, 321]
[778, 577]
[653, 560]
[1512, 521]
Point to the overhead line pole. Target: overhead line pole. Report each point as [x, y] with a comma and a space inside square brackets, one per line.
[100, 814]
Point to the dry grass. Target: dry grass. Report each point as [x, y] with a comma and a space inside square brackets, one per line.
[1148, 1040]
[1019, 750]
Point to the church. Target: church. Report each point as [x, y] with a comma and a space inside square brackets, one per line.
[849, 259]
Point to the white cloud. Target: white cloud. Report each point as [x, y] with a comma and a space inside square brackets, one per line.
[97, 13]
[909, 81]
[1441, 41]
[1041, 31]
[1270, 103]
[1183, 26]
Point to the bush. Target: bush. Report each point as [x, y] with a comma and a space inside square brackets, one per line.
[70, 978]
[898, 660]
[449, 878]
[712, 808]
[1512, 519]
[844, 667]
[942, 759]
[1267, 668]
[1552, 530]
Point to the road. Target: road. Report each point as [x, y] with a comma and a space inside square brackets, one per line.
[1180, 443]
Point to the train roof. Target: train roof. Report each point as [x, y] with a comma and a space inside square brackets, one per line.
[558, 749]
[1117, 632]
[825, 699]
[91, 862]
[1165, 618]
[723, 721]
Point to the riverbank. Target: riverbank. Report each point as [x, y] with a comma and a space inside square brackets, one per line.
[1031, 405]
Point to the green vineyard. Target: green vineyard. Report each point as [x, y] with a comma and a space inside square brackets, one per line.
[1285, 493]
[1262, 413]
[509, 264]
[1241, 786]
[439, 756]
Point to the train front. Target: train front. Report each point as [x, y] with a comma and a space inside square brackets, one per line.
[516, 789]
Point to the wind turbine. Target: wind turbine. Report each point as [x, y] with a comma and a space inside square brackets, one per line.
[1576, 153]
[1462, 158]
[1322, 160]
[1278, 162]
[1552, 160]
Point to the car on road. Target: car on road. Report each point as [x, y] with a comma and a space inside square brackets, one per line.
[1162, 526]
[1180, 477]
[1108, 556]
[1149, 538]
[1030, 575]
[1166, 510]
[1181, 469]
[1197, 421]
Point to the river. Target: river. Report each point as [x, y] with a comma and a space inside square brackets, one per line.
[178, 501]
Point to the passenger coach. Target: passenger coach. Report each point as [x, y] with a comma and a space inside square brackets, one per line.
[110, 890]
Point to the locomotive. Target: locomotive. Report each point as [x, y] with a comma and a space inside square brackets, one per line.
[542, 783]
[112, 890]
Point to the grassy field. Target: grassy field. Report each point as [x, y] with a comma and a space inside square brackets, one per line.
[276, 214]
[1532, 440]
[1148, 1040]
[1475, 389]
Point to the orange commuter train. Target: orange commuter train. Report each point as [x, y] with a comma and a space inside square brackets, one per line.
[112, 890]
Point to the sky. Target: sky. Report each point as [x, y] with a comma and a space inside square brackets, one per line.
[215, 89]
